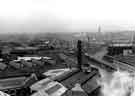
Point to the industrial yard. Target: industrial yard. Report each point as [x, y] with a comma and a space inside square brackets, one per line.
[67, 48]
[50, 67]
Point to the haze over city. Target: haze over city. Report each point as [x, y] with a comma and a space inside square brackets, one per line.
[67, 48]
[66, 15]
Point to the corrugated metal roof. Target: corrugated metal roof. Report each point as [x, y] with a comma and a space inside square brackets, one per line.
[12, 83]
[57, 89]
[41, 84]
[56, 72]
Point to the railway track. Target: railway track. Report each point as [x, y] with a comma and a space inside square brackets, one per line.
[115, 65]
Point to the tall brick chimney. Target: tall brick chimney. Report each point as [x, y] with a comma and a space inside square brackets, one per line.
[79, 53]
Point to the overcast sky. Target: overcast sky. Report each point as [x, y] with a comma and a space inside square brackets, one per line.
[66, 15]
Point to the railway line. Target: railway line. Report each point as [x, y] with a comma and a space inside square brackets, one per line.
[114, 65]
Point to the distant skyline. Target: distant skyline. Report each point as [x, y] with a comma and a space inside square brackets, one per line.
[66, 15]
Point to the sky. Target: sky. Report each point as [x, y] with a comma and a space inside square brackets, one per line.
[66, 15]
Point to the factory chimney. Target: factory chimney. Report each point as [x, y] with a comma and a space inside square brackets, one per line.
[79, 53]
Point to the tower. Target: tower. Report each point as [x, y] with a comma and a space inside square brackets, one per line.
[79, 53]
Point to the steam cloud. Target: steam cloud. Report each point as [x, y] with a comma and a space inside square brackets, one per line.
[118, 83]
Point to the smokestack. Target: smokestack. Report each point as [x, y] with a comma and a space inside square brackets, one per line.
[79, 53]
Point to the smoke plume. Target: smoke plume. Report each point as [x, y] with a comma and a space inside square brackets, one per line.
[118, 83]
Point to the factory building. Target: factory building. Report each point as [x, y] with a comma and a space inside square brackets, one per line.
[120, 48]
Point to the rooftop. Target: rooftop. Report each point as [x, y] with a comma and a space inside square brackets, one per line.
[12, 83]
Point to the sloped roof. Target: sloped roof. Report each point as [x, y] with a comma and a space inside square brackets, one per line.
[12, 83]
